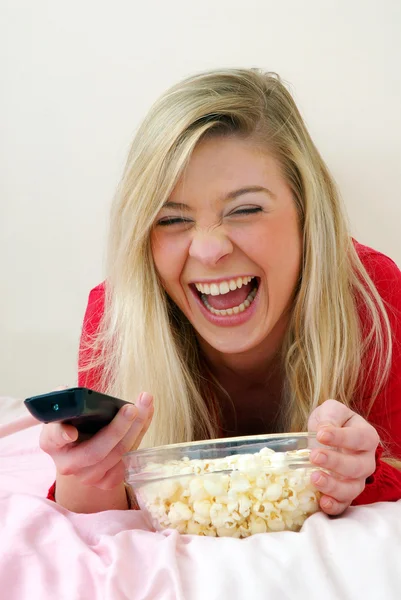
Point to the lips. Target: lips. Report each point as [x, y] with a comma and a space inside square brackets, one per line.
[222, 310]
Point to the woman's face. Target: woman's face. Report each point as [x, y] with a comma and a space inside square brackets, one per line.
[227, 245]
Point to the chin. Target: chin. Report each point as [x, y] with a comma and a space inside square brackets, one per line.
[233, 344]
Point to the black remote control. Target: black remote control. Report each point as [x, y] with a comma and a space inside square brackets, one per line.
[87, 410]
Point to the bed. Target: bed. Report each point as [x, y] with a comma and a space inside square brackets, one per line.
[47, 552]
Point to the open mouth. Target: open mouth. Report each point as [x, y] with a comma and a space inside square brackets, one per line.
[228, 297]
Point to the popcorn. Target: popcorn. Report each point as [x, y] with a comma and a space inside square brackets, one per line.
[257, 525]
[235, 496]
[240, 482]
[216, 485]
[202, 512]
[288, 504]
[273, 492]
[169, 489]
[226, 532]
[220, 516]
[179, 512]
[197, 490]
[308, 500]
[244, 504]
[275, 521]
[194, 528]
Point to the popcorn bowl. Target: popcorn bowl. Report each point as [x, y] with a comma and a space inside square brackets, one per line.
[232, 487]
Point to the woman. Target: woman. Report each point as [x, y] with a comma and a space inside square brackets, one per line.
[237, 298]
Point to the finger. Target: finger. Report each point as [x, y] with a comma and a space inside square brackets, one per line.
[331, 506]
[358, 438]
[135, 435]
[138, 428]
[340, 490]
[350, 466]
[55, 436]
[113, 477]
[91, 452]
[331, 412]
[94, 450]
[91, 475]
[138, 440]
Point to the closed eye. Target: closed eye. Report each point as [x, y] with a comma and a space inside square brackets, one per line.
[247, 210]
[169, 221]
[172, 221]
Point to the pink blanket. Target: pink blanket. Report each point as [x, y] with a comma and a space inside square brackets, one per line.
[48, 553]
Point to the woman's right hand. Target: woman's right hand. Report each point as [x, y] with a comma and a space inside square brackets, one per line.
[97, 462]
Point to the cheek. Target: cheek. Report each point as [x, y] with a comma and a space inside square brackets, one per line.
[169, 255]
[285, 253]
[273, 246]
[276, 247]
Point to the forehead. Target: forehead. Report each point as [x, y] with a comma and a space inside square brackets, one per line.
[219, 165]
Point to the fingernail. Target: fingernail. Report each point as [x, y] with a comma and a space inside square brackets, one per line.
[146, 399]
[67, 437]
[320, 458]
[327, 503]
[325, 436]
[318, 478]
[130, 412]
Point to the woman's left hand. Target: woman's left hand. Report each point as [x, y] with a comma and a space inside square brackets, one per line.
[352, 460]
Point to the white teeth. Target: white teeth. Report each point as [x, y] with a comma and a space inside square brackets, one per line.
[224, 287]
[229, 311]
[215, 289]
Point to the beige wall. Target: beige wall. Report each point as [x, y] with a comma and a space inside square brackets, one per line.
[77, 78]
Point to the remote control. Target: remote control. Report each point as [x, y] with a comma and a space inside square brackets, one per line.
[87, 410]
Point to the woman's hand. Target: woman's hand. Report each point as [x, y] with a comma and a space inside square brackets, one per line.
[351, 461]
[97, 462]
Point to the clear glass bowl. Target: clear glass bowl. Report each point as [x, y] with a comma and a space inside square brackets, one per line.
[227, 487]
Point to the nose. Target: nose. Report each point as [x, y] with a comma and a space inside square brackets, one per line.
[209, 247]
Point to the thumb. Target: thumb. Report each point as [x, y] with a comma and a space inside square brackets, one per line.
[330, 413]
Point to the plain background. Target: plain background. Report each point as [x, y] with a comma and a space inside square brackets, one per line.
[76, 79]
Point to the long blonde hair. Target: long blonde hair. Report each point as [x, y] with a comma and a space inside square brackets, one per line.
[145, 343]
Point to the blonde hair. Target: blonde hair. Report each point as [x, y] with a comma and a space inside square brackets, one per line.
[146, 343]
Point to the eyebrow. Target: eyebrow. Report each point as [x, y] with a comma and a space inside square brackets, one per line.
[230, 196]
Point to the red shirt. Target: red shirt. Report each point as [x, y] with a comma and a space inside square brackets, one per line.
[385, 416]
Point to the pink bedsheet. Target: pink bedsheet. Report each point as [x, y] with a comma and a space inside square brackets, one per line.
[48, 553]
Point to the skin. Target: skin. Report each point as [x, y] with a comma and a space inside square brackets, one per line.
[212, 240]
[207, 240]
[215, 240]
[90, 475]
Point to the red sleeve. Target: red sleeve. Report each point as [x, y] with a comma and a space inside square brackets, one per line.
[385, 415]
[92, 318]
[51, 494]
